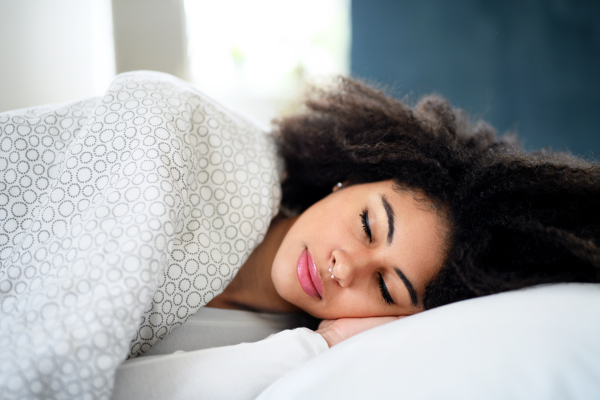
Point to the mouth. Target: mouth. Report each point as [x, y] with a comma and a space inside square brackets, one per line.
[307, 275]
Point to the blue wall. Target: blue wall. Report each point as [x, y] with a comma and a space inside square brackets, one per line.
[526, 65]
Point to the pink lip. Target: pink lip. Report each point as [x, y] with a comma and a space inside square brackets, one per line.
[307, 275]
[314, 274]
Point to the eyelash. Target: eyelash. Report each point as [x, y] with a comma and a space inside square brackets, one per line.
[384, 291]
[364, 217]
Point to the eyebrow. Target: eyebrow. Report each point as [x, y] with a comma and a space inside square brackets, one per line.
[390, 237]
[390, 217]
[409, 286]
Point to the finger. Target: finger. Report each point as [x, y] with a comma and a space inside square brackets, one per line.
[325, 323]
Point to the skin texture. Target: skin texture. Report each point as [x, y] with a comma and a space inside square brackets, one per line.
[333, 233]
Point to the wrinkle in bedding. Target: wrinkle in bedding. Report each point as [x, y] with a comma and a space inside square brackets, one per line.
[121, 216]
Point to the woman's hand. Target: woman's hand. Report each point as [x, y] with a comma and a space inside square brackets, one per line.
[335, 331]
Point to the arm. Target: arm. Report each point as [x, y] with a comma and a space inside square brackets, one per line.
[241, 371]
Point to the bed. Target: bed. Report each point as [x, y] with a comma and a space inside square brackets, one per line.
[536, 343]
[123, 215]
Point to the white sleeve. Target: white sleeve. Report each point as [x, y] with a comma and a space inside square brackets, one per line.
[241, 371]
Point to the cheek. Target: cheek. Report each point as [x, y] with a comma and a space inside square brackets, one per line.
[352, 305]
[281, 275]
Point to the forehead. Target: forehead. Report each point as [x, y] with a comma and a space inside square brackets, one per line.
[417, 215]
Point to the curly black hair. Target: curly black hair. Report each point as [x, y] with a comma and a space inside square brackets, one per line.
[517, 219]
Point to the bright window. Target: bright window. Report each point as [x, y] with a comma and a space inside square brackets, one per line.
[257, 55]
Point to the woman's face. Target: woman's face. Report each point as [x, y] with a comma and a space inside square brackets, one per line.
[383, 245]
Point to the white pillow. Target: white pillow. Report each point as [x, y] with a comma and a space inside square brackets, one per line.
[539, 343]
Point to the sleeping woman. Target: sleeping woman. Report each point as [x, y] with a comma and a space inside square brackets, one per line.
[386, 210]
[398, 210]
[403, 209]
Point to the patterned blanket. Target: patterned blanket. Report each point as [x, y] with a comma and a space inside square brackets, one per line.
[120, 217]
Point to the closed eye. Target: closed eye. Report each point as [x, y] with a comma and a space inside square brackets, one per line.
[364, 216]
[384, 291]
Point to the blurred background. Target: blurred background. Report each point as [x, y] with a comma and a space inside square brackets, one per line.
[532, 66]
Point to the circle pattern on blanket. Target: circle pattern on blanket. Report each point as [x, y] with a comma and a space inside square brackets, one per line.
[121, 216]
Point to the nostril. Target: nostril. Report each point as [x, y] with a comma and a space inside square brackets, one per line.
[333, 266]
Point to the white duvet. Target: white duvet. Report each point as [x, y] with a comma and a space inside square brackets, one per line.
[120, 216]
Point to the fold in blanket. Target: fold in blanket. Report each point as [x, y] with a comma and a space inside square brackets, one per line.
[121, 216]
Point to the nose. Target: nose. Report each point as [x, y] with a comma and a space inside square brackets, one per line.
[347, 268]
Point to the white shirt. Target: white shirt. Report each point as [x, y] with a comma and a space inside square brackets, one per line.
[241, 371]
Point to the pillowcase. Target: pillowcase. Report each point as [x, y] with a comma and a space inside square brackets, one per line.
[537, 343]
